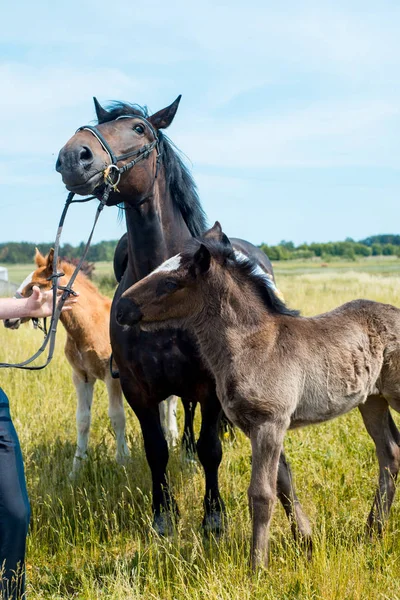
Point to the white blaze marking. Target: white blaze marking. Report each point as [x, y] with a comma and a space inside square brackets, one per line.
[172, 264]
[23, 285]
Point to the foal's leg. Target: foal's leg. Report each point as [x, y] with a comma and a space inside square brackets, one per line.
[209, 450]
[84, 391]
[169, 423]
[381, 427]
[266, 445]
[286, 492]
[116, 414]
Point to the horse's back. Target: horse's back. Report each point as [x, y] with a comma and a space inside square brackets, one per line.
[253, 252]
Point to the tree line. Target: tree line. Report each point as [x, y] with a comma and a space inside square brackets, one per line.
[377, 245]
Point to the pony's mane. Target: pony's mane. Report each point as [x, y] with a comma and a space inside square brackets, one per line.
[179, 180]
[68, 268]
[247, 268]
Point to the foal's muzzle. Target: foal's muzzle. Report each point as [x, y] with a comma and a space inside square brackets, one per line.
[12, 323]
[128, 312]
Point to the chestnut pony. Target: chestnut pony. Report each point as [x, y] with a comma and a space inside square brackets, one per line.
[88, 349]
[162, 211]
[274, 369]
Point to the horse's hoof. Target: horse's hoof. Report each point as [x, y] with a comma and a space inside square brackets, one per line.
[214, 523]
[164, 524]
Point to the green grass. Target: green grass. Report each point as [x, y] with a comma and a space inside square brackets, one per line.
[92, 539]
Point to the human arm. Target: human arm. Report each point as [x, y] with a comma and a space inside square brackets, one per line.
[39, 304]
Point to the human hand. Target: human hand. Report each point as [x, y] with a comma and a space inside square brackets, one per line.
[40, 304]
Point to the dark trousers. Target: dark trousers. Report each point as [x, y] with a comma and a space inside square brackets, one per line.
[14, 508]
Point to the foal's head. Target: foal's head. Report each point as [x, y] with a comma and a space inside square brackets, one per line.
[38, 277]
[126, 128]
[207, 274]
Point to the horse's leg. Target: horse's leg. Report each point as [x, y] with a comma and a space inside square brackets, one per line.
[164, 505]
[209, 450]
[169, 423]
[84, 391]
[381, 427]
[266, 445]
[116, 414]
[189, 440]
[286, 492]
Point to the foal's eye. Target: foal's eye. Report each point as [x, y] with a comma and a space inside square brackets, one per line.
[139, 129]
[170, 285]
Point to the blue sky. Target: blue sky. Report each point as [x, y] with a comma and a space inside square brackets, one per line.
[290, 113]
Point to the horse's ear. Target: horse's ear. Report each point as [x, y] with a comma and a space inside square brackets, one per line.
[101, 112]
[216, 233]
[39, 258]
[49, 259]
[164, 117]
[201, 260]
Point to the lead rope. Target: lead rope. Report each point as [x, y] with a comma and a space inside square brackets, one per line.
[140, 154]
[50, 338]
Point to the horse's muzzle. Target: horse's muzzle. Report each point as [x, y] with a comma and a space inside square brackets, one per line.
[12, 323]
[128, 312]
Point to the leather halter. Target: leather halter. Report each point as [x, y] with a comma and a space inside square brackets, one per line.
[140, 154]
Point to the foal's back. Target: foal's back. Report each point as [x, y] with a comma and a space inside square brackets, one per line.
[342, 357]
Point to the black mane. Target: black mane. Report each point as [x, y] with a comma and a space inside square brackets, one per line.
[181, 185]
[225, 253]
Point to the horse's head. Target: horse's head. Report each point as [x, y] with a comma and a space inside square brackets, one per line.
[122, 134]
[39, 277]
[176, 290]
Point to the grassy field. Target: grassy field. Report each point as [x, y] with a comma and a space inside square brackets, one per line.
[92, 539]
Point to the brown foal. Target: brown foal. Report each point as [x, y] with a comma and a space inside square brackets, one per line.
[274, 369]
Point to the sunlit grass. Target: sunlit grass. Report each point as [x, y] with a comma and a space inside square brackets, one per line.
[92, 539]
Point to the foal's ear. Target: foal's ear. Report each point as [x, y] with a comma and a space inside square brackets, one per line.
[49, 259]
[39, 258]
[164, 117]
[201, 260]
[216, 233]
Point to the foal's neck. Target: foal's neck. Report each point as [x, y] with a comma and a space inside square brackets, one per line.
[223, 327]
[156, 230]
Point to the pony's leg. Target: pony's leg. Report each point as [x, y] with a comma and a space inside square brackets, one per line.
[169, 423]
[189, 440]
[84, 391]
[381, 427]
[286, 492]
[165, 508]
[266, 445]
[209, 450]
[116, 414]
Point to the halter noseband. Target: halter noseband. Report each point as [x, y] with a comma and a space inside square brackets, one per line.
[140, 154]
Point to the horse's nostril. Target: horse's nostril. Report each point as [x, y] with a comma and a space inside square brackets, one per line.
[85, 155]
[58, 164]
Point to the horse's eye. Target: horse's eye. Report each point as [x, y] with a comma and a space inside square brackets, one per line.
[170, 285]
[139, 128]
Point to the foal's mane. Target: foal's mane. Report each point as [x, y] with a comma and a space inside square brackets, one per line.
[247, 268]
[180, 182]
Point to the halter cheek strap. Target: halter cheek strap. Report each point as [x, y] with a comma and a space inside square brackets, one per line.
[140, 154]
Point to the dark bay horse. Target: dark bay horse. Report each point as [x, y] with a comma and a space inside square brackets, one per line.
[162, 212]
[274, 369]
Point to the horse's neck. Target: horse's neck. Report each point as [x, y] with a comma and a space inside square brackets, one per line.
[156, 231]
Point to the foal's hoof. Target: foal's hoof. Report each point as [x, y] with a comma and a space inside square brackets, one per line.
[164, 524]
[214, 523]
